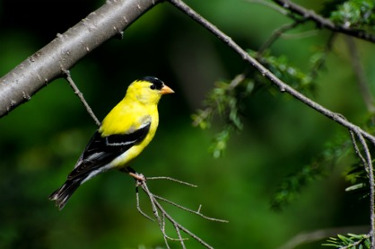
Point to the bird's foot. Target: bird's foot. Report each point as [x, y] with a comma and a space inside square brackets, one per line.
[138, 177]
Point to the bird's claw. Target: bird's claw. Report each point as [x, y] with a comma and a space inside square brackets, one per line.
[139, 178]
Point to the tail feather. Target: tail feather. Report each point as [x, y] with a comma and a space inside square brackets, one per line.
[62, 195]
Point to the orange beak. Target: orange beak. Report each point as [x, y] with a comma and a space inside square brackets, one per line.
[166, 90]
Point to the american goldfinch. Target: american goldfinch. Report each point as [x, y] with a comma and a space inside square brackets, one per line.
[124, 133]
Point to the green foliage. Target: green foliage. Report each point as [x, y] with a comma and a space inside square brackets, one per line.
[357, 175]
[330, 6]
[350, 241]
[284, 70]
[219, 143]
[291, 187]
[225, 101]
[358, 178]
[357, 14]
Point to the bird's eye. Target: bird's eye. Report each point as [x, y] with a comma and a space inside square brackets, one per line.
[153, 87]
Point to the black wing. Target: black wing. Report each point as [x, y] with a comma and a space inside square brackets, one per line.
[102, 150]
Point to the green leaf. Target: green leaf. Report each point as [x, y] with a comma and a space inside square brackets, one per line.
[355, 14]
[225, 101]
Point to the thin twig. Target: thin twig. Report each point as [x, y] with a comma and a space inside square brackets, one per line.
[353, 245]
[170, 218]
[179, 236]
[171, 179]
[80, 96]
[161, 214]
[266, 73]
[164, 233]
[300, 35]
[275, 35]
[151, 196]
[139, 206]
[324, 22]
[190, 210]
[270, 5]
[236, 81]
[368, 164]
[357, 150]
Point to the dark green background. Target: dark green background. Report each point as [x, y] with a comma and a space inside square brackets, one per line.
[41, 140]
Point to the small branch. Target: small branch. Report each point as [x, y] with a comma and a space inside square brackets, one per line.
[323, 22]
[139, 206]
[162, 215]
[367, 162]
[190, 210]
[171, 179]
[353, 245]
[360, 74]
[271, 6]
[275, 35]
[300, 35]
[357, 150]
[266, 73]
[237, 81]
[179, 236]
[159, 207]
[80, 96]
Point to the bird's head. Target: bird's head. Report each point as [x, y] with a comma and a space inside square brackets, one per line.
[148, 90]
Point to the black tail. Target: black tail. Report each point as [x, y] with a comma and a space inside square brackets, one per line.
[62, 195]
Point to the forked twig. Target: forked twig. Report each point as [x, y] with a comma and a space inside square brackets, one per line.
[367, 162]
[139, 206]
[161, 215]
[172, 180]
[190, 210]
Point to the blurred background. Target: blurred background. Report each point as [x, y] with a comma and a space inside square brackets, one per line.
[41, 140]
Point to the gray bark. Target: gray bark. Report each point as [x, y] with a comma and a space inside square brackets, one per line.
[66, 49]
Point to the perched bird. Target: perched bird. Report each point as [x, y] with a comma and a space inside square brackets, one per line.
[124, 133]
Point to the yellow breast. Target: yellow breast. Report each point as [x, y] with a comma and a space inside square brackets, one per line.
[126, 118]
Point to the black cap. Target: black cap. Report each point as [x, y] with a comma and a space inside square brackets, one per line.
[158, 84]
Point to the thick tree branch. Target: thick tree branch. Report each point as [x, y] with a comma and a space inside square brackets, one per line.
[66, 49]
[322, 21]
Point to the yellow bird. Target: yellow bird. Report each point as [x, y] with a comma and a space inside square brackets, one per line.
[124, 133]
